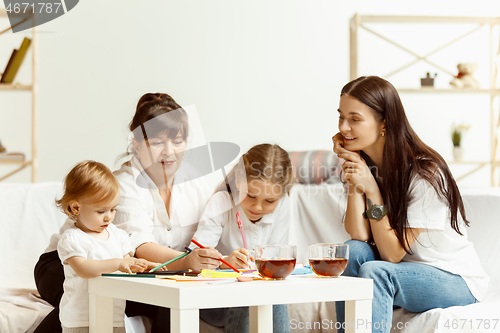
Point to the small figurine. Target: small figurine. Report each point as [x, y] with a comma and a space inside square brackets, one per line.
[428, 81]
[464, 79]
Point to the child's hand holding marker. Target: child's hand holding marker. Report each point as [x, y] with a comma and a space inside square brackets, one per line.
[238, 258]
[200, 259]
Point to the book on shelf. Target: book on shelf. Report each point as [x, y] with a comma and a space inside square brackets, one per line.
[15, 62]
[9, 64]
[12, 157]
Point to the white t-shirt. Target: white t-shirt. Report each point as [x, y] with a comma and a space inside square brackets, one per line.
[142, 213]
[218, 227]
[74, 306]
[439, 245]
[55, 238]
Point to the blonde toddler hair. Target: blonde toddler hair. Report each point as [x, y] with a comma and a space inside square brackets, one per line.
[88, 180]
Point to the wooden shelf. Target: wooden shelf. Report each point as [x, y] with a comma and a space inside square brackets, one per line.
[365, 22]
[3, 13]
[15, 86]
[449, 91]
[20, 166]
[427, 19]
[16, 162]
[17, 166]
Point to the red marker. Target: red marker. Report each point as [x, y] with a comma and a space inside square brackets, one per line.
[221, 260]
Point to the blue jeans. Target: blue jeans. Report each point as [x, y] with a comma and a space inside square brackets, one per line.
[412, 286]
[237, 320]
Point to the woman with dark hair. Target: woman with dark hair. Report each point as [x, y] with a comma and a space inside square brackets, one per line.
[403, 210]
[160, 207]
[162, 199]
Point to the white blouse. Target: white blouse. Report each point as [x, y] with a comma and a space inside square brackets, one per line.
[439, 245]
[218, 227]
[142, 212]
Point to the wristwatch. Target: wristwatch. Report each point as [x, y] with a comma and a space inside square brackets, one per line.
[374, 212]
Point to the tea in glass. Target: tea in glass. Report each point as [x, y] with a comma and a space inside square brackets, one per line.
[328, 260]
[275, 262]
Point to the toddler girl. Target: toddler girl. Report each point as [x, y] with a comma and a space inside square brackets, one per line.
[93, 245]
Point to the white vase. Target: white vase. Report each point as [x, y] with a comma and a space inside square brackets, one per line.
[458, 153]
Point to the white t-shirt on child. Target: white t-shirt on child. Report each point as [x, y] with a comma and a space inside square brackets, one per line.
[74, 306]
[218, 227]
[439, 245]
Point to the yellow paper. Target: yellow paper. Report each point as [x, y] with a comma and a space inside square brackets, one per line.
[209, 273]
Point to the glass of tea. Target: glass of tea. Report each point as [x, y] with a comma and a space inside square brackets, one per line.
[275, 262]
[328, 260]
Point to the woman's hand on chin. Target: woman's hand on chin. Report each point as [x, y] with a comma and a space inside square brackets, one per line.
[206, 258]
[356, 172]
[338, 143]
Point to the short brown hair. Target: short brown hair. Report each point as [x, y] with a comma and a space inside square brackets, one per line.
[88, 180]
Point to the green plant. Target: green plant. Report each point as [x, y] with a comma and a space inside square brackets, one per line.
[456, 133]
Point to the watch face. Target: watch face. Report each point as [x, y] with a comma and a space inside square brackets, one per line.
[377, 212]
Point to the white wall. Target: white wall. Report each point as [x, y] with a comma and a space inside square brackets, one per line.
[257, 71]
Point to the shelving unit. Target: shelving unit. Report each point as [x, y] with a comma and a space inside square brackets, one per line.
[358, 22]
[18, 88]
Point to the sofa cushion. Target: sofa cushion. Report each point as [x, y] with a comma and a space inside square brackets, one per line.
[317, 214]
[482, 206]
[28, 217]
[315, 166]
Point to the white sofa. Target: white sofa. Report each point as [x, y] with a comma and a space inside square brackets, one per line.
[28, 218]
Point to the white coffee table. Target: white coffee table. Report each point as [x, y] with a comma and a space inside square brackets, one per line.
[186, 298]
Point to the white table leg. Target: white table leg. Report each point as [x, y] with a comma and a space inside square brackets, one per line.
[358, 316]
[185, 321]
[100, 314]
[261, 319]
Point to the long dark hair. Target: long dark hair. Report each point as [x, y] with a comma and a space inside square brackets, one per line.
[405, 156]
